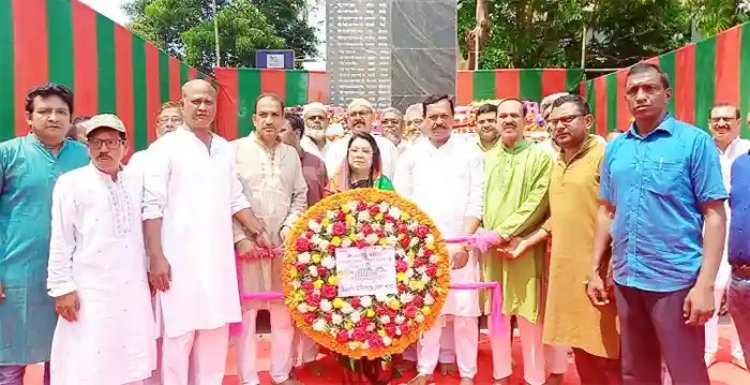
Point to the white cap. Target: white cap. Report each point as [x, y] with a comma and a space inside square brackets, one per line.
[104, 120]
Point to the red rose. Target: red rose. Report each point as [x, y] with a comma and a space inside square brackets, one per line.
[401, 266]
[338, 229]
[366, 229]
[361, 206]
[404, 329]
[380, 233]
[361, 243]
[359, 334]
[401, 287]
[302, 245]
[388, 218]
[309, 234]
[374, 210]
[401, 228]
[422, 231]
[328, 316]
[390, 313]
[328, 291]
[381, 310]
[355, 302]
[375, 340]
[313, 300]
[427, 253]
[431, 271]
[419, 262]
[331, 249]
[340, 215]
[364, 322]
[404, 241]
[300, 266]
[410, 311]
[390, 330]
[322, 271]
[310, 318]
[307, 286]
[417, 301]
[342, 337]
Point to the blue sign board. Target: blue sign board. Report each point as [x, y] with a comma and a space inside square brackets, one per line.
[274, 58]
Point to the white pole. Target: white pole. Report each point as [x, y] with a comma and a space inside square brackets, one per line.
[216, 36]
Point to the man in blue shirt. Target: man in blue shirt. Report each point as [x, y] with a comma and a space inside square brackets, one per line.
[660, 184]
[29, 167]
[739, 251]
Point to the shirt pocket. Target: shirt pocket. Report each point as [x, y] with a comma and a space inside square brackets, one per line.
[663, 177]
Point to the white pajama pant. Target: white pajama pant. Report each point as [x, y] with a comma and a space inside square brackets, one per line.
[712, 330]
[156, 377]
[196, 358]
[531, 346]
[282, 352]
[447, 344]
[304, 349]
[466, 340]
[556, 359]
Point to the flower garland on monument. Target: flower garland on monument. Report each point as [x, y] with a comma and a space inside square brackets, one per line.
[364, 273]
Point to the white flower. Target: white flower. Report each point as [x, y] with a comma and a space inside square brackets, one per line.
[303, 258]
[353, 345]
[406, 297]
[352, 206]
[326, 305]
[422, 269]
[296, 284]
[428, 300]
[413, 242]
[375, 226]
[323, 244]
[313, 270]
[389, 228]
[399, 331]
[346, 242]
[400, 319]
[302, 308]
[410, 272]
[337, 319]
[365, 301]
[419, 318]
[331, 214]
[355, 316]
[392, 240]
[347, 308]
[319, 325]
[328, 262]
[387, 341]
[329, 229]
[370, 327]
[363, 216]
[372, 239]
[433, 258]
[383, 207]
[429, 238]
[395, 212]
[316, 239]
[426, 278]
[381, 297]
[314, 226]
[366, 345]
[385, 319]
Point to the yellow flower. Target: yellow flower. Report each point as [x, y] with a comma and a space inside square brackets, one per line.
[401, 277]
[416, 285]
[333, 280]
[336, 242]
[293, 273]
[299, 296]
[350, 219]
[381, 333]
[426, 310]
[348, 325]
[345, 209]
[430, 246]
[338, 303]
[404, 216]
[325, 222]
[318, 283]
[370, 312]
[315, 258]
[395, 304]
[379, 217]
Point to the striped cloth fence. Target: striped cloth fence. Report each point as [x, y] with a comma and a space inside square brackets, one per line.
[715, 70]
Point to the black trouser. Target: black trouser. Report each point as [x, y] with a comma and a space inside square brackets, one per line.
[653, 327]
[595, 370]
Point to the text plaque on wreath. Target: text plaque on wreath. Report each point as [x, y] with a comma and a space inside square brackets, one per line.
[365, 272]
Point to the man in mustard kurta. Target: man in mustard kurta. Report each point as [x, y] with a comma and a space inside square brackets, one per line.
[570, 318]
[517, 175]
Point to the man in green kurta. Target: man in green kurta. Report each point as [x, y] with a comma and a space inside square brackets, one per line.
[29, 167]
[517, 176]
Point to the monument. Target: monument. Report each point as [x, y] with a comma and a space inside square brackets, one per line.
[392, 52]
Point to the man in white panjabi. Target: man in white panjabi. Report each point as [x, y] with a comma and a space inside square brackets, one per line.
[191, 192]
[97, 269]
[360, 115]
[443, 176]
[316, 120]
[272, 180]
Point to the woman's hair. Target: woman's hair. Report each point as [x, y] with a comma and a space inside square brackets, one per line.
[375, 169]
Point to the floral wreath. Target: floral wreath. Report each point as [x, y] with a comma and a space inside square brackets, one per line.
[367, 325]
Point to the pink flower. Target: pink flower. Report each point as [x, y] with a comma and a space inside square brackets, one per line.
[364, 322]
[300, 266]
[331, 249]
[410, 311]
[313, 300]
[431, 271]
[417, 301]
[404, 329]
[338, 229]
[359, 334]
[401, 228]
[361, 206]
[310, 318]
[342, 337]
[307, 286]
[422, 231]
[366, 229]
[340, 215]
[375, 340]
[405, 242]
[402, 287]
[401, 266]
[322, 271]
[389, 218]
[355, 302]
[361, 243]
[390, 330]
[328, 291]
[374, 210]
[302, 245]
[309, 234]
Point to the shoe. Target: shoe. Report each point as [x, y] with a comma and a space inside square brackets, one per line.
[710, 359]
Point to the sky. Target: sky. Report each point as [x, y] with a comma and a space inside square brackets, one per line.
[110, 8]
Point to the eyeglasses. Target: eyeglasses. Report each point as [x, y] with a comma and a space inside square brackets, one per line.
[565, 120]
[111, 143]
[724, 118]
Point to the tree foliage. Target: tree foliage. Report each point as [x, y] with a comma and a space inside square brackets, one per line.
[184, 28]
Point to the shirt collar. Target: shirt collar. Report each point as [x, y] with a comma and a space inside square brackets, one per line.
[666, 125]
[520, 146]
[590, 143]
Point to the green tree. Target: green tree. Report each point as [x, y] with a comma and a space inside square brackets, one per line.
[714, 16]
[243, 30]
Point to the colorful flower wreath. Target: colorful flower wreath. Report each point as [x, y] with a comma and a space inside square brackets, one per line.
[367, 325]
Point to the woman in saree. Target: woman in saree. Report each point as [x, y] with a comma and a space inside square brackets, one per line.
[362, 167]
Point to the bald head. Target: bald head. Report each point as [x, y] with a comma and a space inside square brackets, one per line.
[198, 104]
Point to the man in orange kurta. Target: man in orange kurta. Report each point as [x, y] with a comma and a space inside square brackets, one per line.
[570, 318]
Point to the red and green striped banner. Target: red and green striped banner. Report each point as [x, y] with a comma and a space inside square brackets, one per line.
[715, 70]
[526, 84]
[240, 87]
[109, 69]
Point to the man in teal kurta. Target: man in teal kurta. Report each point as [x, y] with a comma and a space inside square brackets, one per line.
[517, 176]
[29, 167]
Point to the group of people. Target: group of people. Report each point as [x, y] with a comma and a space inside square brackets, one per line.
[118, 272]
